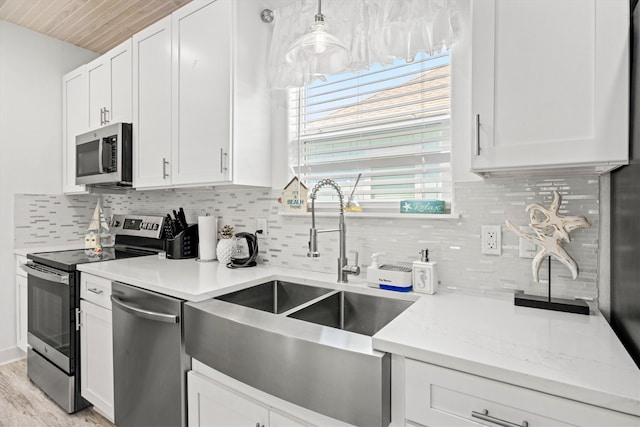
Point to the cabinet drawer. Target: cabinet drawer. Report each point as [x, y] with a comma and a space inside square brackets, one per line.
[19, 261]
[96, 289]
[437, 396]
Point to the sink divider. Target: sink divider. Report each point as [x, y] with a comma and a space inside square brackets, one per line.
[311, 302]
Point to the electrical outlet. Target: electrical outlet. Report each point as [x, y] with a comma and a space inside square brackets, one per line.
[261, 224]
[491, 240]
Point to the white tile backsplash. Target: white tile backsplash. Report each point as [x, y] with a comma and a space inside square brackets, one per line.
[453, 243]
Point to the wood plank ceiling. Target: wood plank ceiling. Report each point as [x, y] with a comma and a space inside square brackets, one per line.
[96, 25]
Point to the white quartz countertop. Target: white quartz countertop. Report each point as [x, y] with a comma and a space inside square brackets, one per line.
[191, 280]
[571, 355]
[575, 356]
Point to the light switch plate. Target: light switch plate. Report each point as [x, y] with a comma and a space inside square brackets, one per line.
[526, 249]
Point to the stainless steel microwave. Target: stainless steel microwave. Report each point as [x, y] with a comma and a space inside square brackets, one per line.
[103, 156]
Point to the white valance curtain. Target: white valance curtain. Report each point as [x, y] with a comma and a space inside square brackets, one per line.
[375, 31]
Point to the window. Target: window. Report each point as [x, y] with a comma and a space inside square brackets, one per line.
[390, 123]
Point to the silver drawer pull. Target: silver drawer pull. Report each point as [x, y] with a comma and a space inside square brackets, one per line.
[95, 291]
[484, 416]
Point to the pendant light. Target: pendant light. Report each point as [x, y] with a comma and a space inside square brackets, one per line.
[320, 51]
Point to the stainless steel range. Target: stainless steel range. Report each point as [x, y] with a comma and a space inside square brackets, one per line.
[53, 355]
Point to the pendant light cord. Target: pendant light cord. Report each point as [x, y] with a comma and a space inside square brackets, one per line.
[319, 16]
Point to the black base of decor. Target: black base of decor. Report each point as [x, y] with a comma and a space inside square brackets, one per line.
[556, 304]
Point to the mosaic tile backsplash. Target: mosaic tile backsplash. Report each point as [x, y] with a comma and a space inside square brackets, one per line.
[453, 243]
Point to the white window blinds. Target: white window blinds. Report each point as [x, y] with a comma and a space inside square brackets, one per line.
[390, 123]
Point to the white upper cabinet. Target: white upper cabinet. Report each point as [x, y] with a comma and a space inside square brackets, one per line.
[201, 106]
[550, 85]
[202, 66]
[109, 80]
[75, 120]
[152, 105]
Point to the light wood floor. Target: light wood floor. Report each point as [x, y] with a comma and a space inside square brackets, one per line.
[22, 404]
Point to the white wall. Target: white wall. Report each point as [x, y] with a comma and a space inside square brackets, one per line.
[31, 69]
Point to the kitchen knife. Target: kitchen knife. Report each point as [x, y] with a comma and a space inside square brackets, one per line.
[176, 222]
[168, 228]
[182, 218]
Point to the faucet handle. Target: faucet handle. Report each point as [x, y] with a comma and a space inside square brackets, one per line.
[354, 268]
[355, 252]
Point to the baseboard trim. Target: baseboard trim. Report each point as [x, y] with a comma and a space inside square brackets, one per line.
[11, 355]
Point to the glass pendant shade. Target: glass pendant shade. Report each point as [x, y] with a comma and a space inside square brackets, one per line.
[320, 51]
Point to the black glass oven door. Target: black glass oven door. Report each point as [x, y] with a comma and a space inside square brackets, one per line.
[51, 315]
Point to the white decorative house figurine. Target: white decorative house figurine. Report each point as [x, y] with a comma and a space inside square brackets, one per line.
[550, 229]
[98, 235]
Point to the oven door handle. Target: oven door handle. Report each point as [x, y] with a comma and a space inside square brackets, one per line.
[146, 314]
[51, 277]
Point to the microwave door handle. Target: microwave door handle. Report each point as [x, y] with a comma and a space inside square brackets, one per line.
[100, 149]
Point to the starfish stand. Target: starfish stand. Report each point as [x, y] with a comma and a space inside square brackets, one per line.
[557, 304]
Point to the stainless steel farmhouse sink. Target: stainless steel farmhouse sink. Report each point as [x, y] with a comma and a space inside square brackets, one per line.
[275, 296]
[309, 345]
[354, 312]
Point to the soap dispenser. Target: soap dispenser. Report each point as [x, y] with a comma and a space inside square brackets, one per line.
[424, 274]
[373, 270]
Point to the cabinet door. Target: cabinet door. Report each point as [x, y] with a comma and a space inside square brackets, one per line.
[211, 404]
[119, 103]
[21, 312]
[152, 105]
[109, 79]
[202, 87]
[98, 85]
[75, 120]
[549, 83]
[96, 357]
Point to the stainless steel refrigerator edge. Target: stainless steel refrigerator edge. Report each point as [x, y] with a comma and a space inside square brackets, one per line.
[625, 218]
[150, 363]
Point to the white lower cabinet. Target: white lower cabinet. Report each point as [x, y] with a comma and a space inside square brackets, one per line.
[211, 404]
[21, 304]
[437, 396]
[214, 399]
[96, 344]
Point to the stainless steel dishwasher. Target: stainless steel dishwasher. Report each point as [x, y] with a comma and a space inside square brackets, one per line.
[150, 364]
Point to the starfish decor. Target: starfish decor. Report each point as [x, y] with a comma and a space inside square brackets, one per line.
[550, 230]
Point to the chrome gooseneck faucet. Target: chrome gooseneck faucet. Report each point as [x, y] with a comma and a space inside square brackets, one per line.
[343, 269]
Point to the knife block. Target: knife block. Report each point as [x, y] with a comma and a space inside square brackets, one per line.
[184, 244]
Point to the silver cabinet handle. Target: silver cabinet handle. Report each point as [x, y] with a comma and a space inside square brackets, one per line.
[484, 416]
[165, 163]
[95, 291]
[102, 117]
[106, 120]
[146, 314]
[222, 162]
[45, 273]
[477, 134]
